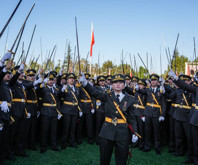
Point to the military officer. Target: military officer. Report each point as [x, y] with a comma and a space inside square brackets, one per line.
[154, 112]
[119, 113]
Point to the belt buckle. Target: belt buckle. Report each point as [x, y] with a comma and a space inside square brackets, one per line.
[73, 104]
[33, 101]
[22, 100]
[181, 106]
[52, 104]
[114, 121]
[152, 105]
[136, 105]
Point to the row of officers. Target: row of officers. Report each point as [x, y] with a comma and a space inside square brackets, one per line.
[126, 110]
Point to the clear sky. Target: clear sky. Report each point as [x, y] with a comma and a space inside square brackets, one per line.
[135, 26]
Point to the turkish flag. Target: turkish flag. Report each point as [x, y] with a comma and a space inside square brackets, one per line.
[92, 40]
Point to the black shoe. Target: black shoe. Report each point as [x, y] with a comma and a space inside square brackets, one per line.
[158, 152]
[73, 145]
[55, 149]
[90, 142]
[178, 154]
[187, 161]
[79, 142]
[146, 150]
[32, 148]
[171, 151]
[63, 147]
[43, 150]
[23, 154]
[10, 157]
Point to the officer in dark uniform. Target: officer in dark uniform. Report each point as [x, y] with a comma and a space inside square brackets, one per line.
[32, 107]
[70, 108]
[109, 81]
[119, 113]
[193, 117]
[49, 113]
[61, 80]
[170, 88]
[134, 80]
[182, 106]
[5, 117]
[139, 106]
[88, 111]
[127, 80]
[18, 111]
[100, 108]
[154, 112]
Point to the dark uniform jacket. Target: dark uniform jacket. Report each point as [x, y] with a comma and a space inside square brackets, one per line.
[181, 114]
[50, 98]
[19, 93]
[169, 90]
[67, 96]
[152, 111]
[110, 131]
[194, 90]
[139, 99]
[32, 102]
[100, 106]
[85, 99]
[6, 94]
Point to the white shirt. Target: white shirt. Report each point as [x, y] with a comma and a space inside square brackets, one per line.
[121, 95]
[51, 88]
[154, 89]
[72, 87]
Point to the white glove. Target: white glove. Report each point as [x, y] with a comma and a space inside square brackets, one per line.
[161, 80]
[162, 89]
[38, 81]
[83, 80]
[59, 116]
[4, 107]
[137, 87]
[92, 111]
[1, 126]
[60, 72]
[161, 118]
[45, 80]
[63, 88]
[172, 74]
[91, 83]
[38, 114]
[80, 114]
[143, 118]
[21, 68]
[28, 115]
[7, 56]
[134, 138]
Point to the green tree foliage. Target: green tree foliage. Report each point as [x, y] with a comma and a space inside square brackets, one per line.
[180, 63]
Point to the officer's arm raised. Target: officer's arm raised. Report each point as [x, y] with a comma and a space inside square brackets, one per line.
[96, 93]
[189, 88]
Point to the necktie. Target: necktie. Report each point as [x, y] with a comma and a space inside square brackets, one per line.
[153, 90]
[51, 90]
[118, 96]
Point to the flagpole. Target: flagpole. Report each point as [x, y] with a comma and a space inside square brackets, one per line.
[90, 65]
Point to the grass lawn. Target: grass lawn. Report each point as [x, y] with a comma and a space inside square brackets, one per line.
[89, 154]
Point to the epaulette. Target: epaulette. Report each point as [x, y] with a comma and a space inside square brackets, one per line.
[78, 85]
[42, 85]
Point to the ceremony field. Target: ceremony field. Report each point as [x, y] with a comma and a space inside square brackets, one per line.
[89, 155]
